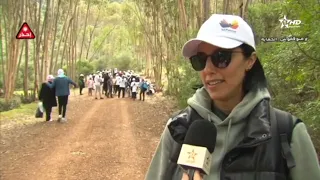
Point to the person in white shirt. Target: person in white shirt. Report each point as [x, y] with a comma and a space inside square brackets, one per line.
[134, 87]
[97, 84]
[117, 87]
[122, 86]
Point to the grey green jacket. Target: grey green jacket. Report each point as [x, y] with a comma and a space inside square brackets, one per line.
[61, 85]
[229, 135]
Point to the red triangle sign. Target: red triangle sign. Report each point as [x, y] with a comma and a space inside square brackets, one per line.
[25, 32]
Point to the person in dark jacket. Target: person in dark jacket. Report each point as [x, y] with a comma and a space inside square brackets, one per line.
[62, 90]
[81, 83]
[105, 84]
[48, 97]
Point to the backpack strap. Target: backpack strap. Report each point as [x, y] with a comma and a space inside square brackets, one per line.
[285, 127]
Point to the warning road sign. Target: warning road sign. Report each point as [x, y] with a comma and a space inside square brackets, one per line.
[25, 32]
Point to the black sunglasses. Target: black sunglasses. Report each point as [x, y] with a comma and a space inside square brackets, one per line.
[220, 59]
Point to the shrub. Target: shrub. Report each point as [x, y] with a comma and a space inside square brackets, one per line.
[15, 102]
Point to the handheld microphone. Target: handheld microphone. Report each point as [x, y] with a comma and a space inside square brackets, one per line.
[198, 145]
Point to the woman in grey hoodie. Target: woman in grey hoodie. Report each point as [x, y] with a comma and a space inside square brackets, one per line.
[235, 99]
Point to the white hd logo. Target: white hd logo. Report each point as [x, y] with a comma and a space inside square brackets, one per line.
[287, 23]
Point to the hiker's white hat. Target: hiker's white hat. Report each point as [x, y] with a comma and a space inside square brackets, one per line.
[224, 31]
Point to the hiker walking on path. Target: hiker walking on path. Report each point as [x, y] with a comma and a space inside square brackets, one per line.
[97, 85]
[48, 97]
[122, 86]
[81, 83]
[143, 88]
[61, 84]
[134, 87]
[107, 85]
[117, 84]
[90, 85]
[253, 139]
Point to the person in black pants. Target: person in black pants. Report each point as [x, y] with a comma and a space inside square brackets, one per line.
[48, 97]
[63, 101]
[81, 83]
[122, 87]
[61, 85]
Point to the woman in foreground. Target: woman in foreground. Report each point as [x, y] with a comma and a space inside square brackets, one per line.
[236, 100]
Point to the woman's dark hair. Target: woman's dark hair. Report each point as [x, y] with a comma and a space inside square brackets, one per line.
[255, 77]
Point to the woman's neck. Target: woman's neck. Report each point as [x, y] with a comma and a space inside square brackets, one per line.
[227, 106]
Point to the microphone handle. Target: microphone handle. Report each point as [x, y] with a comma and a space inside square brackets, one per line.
[190, 173]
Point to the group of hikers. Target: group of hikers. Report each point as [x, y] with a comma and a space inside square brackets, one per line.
[113, 82]
[108, 82]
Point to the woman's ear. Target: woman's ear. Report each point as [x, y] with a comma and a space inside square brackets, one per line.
[251, 60]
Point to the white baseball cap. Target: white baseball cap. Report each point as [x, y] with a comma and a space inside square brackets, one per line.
[224, 31]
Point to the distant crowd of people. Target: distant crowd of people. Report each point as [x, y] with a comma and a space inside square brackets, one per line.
[106, 82]
[113, 82]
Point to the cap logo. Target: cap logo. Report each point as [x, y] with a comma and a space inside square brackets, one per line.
[233, 25]
[226, 26]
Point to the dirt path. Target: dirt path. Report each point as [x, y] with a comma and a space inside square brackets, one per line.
[104, 139]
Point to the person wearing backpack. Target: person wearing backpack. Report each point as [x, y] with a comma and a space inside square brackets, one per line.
[255, 141]
[143, 89]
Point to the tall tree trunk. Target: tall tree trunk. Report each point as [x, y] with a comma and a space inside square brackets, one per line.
[183, 14]
[85, 29]
[75, 38]
[91, 34]
[13, 46]
[54, 36]
[47, 24]
[63, 32]
[200, 14]
[226, 6]
[38, 71]
[1, 54]
[26, 60]
[245, 8]
[65, 43]
[206, 9]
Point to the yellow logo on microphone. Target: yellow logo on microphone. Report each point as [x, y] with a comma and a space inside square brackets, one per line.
[192, 156]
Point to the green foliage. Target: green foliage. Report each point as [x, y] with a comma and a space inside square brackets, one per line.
[122, 62]
[1, 81]
[292, 68]
[188, 81]
[100, 65]
[21, 75]
[85, 67]
[27, 99]
[15, 102]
